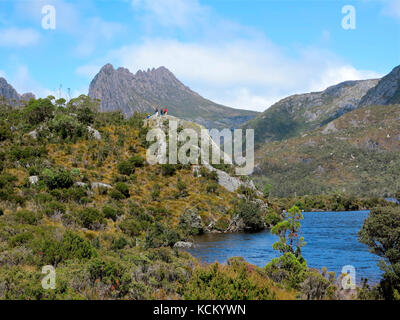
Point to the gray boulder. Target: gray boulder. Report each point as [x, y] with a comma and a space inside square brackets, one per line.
[183, 244]
[33, 179]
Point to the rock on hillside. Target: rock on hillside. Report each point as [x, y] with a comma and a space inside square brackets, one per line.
[224, 179]
[387, 91]
[119, 89]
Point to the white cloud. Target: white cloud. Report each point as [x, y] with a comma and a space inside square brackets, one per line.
[179, 13]
[17, 37]
[244, 74]
[88, 31]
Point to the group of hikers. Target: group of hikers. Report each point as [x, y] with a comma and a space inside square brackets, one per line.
[162, 112]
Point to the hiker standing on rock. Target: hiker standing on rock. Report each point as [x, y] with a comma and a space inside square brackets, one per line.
[165, 111]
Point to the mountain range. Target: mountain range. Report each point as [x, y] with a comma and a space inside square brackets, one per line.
[343, 139]
[145, 91]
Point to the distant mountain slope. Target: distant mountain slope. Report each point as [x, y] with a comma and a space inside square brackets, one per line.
[10, 94]
[299, 113]
[387, 91]
[358, 153]
[119, 89]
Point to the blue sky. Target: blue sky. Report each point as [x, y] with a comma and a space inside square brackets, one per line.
[246, 54]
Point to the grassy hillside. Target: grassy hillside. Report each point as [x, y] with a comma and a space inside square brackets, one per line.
[76, 193]
[297, 114]
[356, 154]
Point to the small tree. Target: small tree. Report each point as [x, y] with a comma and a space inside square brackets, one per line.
[291, 267]
[381, 232]
[287, 231]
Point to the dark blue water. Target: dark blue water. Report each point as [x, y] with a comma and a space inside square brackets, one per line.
[331, 242]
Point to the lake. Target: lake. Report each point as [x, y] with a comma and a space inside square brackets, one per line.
[331, 242]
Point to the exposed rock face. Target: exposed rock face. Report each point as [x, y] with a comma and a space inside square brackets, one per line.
[33, 179]
[95, 185]
[95, 133]
[11, 95]
[7, 91]
[27, 96]
[145, 91]
[387, 91]
[297, 114]
[183, 244]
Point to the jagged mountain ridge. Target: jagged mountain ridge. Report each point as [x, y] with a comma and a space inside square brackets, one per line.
[386, 92]
[299, 113]
[119, 89]
[10, 94]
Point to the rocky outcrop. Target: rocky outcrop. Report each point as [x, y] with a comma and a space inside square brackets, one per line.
[33, 179]
[387, 91]
[183, 244]
[8, 92]
[11, 95]
[145, 91]
[94, 133]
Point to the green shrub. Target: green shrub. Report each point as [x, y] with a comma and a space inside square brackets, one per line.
[7, 180]
[57, 180]
[236, 281]
[119, 243]
[137, 161]
[123, 188]
[105, 271]
[54, 208]
[39, 110]
[168, 169]
[288, 269]
[20, 239]
[116, 195]
[66, 126]
[111, 212]
[126, 167]
[77, 194]
[155, 193]
[182, 188]
[130, 226]
[250, 213]
[27, 217]
[272, 218]
[160, 236]
[209, 174]
[91, 218]
[212, 187]
[222, 224]
[75, 247]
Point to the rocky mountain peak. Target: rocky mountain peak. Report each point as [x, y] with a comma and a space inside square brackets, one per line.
[10, 94]
[151, 89]
[387, 91]
[107, 69]
[7, 91]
